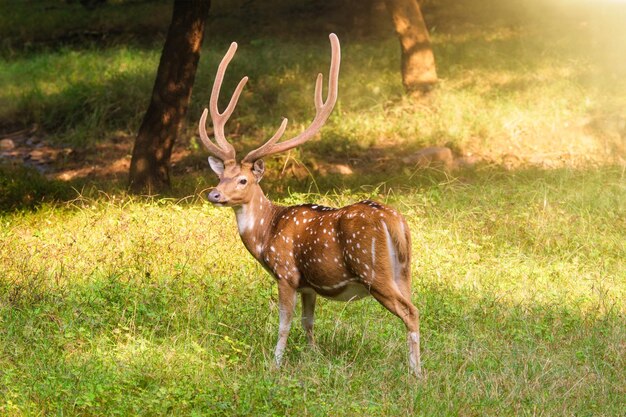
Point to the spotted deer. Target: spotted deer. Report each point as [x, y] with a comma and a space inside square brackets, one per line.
[342, 254]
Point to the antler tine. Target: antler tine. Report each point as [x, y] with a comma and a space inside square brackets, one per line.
[227, 151]
[223, 154]
[264, 149]
[322, 110]
[319, 100]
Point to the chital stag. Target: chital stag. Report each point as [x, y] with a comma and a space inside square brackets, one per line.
[342, 254]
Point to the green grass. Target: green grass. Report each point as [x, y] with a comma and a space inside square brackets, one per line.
[23, 188]
[553, 88]
[85, 96]
[78, 94]
[27, 26]
[118, 306]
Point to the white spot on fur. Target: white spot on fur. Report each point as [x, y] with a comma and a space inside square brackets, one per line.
[373, 251]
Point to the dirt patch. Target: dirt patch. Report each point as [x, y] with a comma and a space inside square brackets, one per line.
[593, 141]
[103, 161]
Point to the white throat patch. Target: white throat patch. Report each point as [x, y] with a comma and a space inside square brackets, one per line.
[245, 219]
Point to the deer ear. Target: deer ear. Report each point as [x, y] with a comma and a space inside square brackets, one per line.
[258, 168]
[217, 166]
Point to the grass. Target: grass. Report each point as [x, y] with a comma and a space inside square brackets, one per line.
[508, 88]
[27, 27]
[78, 94]
[82, 97]
[117, 306]
[22, 188]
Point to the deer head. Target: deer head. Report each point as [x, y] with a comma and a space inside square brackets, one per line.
[239, 180]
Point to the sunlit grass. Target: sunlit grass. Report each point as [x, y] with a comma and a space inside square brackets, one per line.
[507, 92]
[118, 305]
[78, 96]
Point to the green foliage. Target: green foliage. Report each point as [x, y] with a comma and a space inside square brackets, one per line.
[126, 306]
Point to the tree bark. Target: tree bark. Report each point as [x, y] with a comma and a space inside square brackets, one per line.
[161, 125]
[418, 62]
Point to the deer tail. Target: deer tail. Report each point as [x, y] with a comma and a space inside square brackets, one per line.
[399, 237]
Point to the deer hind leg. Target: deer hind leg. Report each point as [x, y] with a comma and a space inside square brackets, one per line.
[394, 301]
[404, 283]
[308, 315]
[286, 304]
[394, 292]
[413, 337]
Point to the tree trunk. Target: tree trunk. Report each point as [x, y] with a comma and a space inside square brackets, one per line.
[418, 62]
[149, 166]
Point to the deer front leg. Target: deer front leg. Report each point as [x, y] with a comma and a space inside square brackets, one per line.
[286, 304]
[308, 315]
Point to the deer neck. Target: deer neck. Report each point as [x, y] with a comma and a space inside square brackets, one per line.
[254, 220]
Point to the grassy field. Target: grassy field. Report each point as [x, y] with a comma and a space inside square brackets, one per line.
[521, 83]
[119, 306]
[113, 304]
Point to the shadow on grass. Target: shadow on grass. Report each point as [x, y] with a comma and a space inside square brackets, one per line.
[23, 188]
[293, 182]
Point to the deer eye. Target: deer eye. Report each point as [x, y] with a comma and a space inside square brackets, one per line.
[243, 181]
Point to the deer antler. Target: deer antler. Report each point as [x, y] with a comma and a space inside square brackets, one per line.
[322, 111]
[223, 150]
[226, 152]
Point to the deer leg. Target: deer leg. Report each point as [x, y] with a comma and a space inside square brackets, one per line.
[404, 281]
[413, 337]
[286, 304]
[394, 301]
[308, 315]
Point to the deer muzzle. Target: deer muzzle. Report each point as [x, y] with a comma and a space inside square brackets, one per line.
[215, 197]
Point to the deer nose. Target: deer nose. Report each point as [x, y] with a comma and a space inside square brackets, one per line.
[214, 196]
